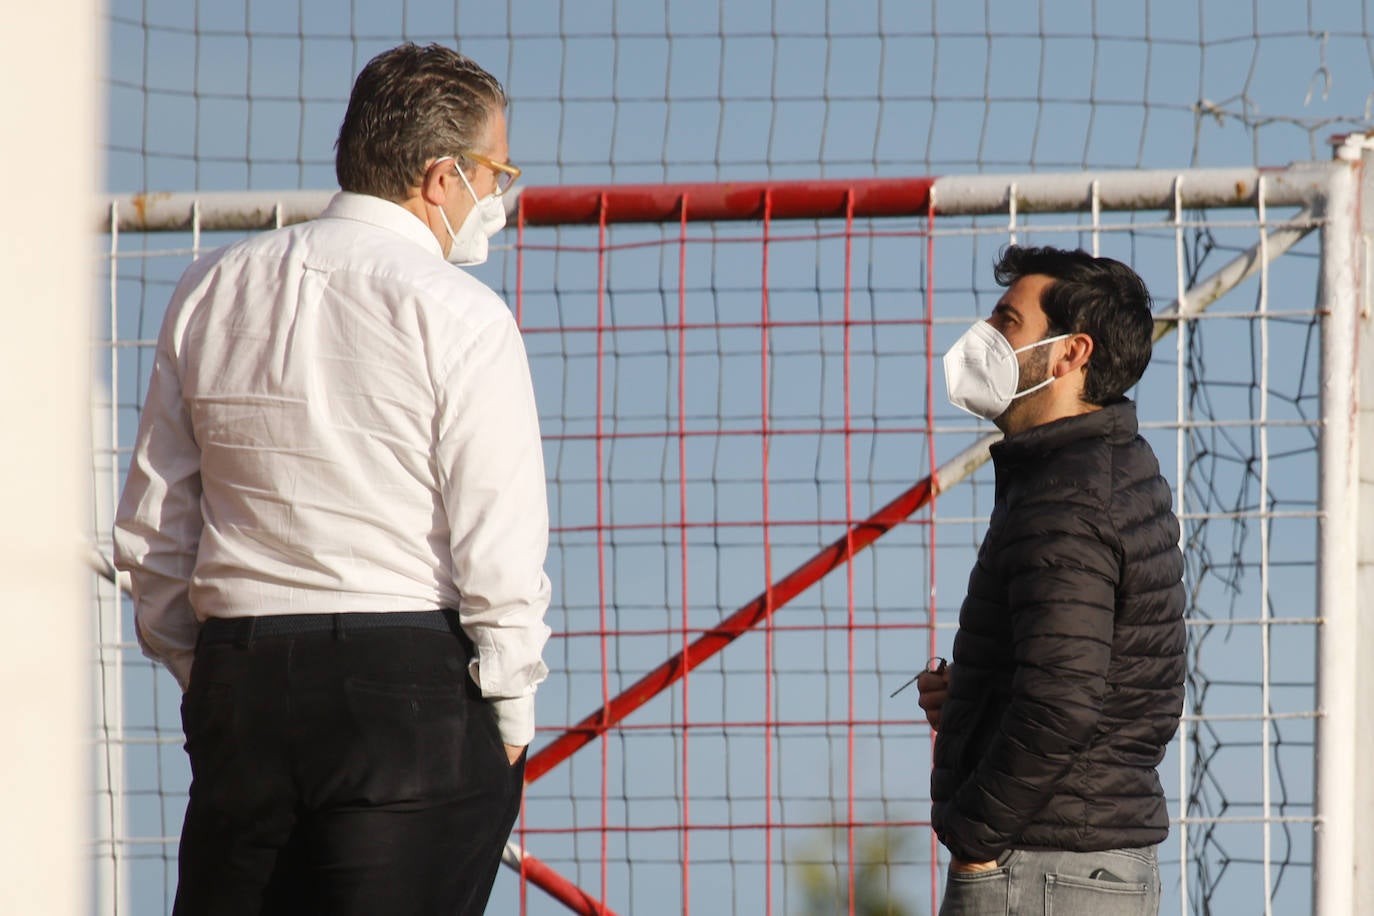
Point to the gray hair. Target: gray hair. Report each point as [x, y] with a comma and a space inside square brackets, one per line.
[411, 105]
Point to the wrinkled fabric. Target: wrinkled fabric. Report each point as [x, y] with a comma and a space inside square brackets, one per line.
[1068, 673]
[338, 421]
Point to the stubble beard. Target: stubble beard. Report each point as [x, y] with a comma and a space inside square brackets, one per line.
[1034, 366]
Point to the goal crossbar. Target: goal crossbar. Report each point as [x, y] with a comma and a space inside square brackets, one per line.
[954, 195]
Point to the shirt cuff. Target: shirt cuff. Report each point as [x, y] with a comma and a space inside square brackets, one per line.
[515, 719]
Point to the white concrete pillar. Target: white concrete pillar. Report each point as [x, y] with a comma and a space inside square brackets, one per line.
[50, 66]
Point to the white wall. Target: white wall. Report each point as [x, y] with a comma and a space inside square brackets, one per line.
[50, 57]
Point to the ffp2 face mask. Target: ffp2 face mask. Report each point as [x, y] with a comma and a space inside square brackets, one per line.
[982, 372]
[468, 246]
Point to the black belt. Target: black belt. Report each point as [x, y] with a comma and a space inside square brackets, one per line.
[246, 629]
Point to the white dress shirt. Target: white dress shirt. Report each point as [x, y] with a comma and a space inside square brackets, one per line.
[338, 420]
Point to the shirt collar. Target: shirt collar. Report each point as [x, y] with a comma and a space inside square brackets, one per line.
[375, 211]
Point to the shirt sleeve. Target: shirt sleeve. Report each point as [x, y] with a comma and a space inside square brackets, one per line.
[491, 468]
[1061, 590]
[158, 522]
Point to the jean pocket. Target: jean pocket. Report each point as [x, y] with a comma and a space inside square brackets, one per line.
[412, 737]
[979, 893]
[1068, 895]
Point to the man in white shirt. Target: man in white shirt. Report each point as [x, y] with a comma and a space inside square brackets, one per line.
[335, 520]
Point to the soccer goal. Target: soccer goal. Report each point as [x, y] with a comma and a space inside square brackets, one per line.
[764, 513]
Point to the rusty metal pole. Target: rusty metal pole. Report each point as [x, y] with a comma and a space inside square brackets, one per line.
[1338, 651]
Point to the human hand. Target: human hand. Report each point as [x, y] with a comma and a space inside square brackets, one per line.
[960, 867]
[933, 685]
[513, 753]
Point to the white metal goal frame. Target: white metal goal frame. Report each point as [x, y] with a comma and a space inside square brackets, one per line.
[1261, 414]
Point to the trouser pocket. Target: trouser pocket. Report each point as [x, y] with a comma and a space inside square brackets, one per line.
[983, 893]
[413, 737]
[1069, 895]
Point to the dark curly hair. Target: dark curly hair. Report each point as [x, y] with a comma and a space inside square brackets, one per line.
[1099, 297]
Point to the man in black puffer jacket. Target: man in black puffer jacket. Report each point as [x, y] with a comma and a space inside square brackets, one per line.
[1067, 678]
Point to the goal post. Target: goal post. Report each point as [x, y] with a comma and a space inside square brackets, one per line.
[763, 516]
[1345, 679]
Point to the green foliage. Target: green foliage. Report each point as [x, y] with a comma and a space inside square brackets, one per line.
[824, 874]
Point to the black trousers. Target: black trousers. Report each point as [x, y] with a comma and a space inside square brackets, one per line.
[346, 770]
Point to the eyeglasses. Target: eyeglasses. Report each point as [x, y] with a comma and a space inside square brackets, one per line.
[505, 172]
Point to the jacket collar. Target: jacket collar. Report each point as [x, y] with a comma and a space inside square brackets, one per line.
[1116, 423]
[384, 214]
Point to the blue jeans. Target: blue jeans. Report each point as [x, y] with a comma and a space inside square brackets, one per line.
[1117, 882]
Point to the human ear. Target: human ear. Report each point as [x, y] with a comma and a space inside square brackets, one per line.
[1078, 348]
[434, 185]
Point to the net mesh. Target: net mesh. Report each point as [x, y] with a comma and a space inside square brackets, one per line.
[718, 405]
[235, 95]
[1251, 547]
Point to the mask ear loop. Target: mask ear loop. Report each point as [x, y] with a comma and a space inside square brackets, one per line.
[466, 184]
[1039, 343]
[475, 202]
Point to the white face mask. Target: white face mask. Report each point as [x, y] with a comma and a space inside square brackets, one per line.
[982, 372]
[486, 218]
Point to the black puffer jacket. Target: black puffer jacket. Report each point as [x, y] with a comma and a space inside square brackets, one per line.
[1068, 669]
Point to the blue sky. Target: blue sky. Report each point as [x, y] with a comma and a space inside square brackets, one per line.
[247, 96]
[236, 95]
